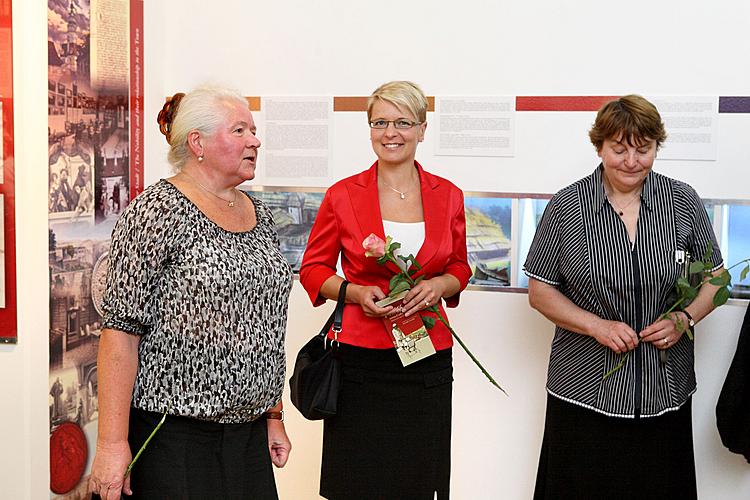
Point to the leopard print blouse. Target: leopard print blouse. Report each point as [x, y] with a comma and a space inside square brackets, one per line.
[209, 305]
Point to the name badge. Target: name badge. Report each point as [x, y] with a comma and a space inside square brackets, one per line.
[680, 256]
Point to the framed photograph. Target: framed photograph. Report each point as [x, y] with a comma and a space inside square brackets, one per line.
[488, 239]
[294, 211]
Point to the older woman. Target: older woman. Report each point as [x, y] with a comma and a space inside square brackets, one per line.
[391, 435]
[603, 262]
[195, 315]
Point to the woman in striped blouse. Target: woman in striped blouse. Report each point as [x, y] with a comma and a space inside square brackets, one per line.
[602, 266]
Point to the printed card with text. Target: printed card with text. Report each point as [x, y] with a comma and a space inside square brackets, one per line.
[408, 333]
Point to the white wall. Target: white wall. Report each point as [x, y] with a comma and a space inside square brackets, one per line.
[478, 47]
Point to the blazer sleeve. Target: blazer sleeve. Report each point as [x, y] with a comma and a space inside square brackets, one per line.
[458, 264]
[322, 251]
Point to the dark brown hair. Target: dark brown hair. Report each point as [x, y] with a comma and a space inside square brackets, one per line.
[631, 118]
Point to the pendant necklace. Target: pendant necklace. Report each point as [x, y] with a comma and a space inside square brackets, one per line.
[230, 203]
[402, 194]
[621, 208]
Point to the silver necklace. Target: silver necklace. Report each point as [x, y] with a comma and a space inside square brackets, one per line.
[230, 203]
[401, 194]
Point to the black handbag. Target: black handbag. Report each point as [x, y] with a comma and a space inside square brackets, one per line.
[316, 378]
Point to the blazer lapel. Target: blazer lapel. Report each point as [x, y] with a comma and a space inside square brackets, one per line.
[435, 209]
[363, 195]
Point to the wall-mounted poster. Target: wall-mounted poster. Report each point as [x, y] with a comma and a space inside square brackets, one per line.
[8, 317]
[95, 168]
[2, 252]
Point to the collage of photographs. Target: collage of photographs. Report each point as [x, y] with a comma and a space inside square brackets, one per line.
[89, 173]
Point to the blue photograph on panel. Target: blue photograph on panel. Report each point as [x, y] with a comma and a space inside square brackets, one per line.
[530, 211]
[488, 233]
[738, 247]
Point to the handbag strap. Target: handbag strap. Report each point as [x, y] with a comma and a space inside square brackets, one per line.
[337, 316]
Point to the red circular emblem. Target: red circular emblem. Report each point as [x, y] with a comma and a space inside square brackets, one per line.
[68, 452]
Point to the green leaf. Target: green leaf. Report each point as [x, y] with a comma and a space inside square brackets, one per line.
[721, 296]
[429, 322]
[400, 287]
[721, 280]
[727, 277]
[744, 272]
[690, 292]
[682, 282]
[394, 281]
[394, 246]
[708, 253]
[696, 267]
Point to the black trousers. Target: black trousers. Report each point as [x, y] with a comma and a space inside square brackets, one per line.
[586, 455]
[390, 438]
[196, 460]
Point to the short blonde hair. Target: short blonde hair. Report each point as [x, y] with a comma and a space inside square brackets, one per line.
[403, 95]
[632, 117]
[203, 110]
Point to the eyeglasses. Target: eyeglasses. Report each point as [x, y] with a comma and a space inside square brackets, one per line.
[401, 124]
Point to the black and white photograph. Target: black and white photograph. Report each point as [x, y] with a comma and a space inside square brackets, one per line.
[71, 185]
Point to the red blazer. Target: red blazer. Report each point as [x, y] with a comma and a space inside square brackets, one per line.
[350, 211]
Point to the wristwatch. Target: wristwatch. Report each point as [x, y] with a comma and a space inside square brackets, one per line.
[274, 415]
[691, 321]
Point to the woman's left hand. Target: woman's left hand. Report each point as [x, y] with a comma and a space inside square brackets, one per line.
[425, 294]
[663, 333]
[278, 442]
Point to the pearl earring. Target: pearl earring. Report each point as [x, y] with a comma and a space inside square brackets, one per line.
[200, 157]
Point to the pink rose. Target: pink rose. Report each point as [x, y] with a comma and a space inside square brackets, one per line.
[374, 246]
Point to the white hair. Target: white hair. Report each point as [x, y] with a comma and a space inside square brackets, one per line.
[203, 110]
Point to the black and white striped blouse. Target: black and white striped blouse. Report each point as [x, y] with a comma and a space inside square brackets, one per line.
[582, 247]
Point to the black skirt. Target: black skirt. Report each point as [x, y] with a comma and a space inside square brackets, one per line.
[194, 459]
[587, 455]
[390, 438]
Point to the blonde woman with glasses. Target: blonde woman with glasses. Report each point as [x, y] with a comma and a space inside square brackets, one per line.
[391, 435]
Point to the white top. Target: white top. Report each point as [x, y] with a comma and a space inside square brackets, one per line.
[409, 234]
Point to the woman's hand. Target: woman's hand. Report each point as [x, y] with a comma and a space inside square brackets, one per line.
[426, 293]
[616, 335]
[366, 296]
[664, 333]
[279, 445]
[107, 472]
